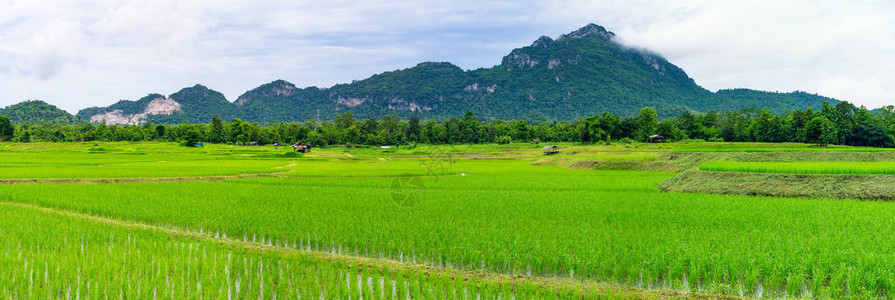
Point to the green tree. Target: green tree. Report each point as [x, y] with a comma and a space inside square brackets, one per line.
[868, 131]
[433, 133]
[504, 140]
[353, 135]
[344, 121]
[470, 117]
[647, 122]
[451, 130]
[821, 131]
[388, 128]
[216, 130]
[414, 129]
[670, 130]
[191, 136]
[368, 129]
[6, 129]
[469, 129]
[590, 130]
[160, 131]
[886, 115]
[241, 132]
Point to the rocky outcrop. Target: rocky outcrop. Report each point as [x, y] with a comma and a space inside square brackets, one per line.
[519, 60]
[588, 31]
[352, 101]
[475, 87]
[401, 104]
[158, 106]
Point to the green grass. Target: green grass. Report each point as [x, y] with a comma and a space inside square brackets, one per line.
[121, 160]
[154, 169]
[54, 255]
[492, 209]
[803, 167]
[510, 217]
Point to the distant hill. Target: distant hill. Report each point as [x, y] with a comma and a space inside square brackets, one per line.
[736, 99]
[578, 74]
[36, 111]
[194, 104]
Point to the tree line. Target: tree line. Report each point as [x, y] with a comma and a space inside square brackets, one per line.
[843, 124]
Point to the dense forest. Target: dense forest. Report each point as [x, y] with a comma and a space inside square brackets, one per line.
[842, 123]
[36, 111]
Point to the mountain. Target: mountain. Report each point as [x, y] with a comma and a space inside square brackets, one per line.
[736, 99]
[36, 111]
[195, 104]
[282, 101]
[126, 112]
[581, 73]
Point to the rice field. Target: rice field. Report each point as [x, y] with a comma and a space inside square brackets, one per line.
[55, 255]
[335, 224]
[804, 167]
[143, 169]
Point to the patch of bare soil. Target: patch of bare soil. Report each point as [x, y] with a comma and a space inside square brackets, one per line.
[293, 164]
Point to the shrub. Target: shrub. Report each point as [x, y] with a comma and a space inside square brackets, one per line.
[504, 140]
[291, 154]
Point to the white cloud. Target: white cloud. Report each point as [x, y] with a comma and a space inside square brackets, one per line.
[87, 53]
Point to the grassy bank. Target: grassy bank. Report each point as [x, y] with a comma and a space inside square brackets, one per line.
[804, 167]
[867, 187]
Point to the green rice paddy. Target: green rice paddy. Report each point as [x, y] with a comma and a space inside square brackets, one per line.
[54, 255]
[494, 211]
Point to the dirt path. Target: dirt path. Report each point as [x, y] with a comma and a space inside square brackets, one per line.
[617, 289]
[293, 164]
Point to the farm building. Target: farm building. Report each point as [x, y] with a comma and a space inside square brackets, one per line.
[552, 149]
[385, 148]
[656, 138]
[301, 147]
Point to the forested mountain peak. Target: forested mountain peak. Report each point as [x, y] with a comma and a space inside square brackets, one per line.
[275, 88]
[437, 65]
[542, 41]
[589, 30]
[198, 93]
[36, 111]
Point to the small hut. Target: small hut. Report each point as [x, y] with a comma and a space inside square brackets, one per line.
[301, 147]
[385, 148]
[552, 149]
[253, 143]
[656, 138]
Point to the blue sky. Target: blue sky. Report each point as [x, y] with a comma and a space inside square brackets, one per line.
[76, 54]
